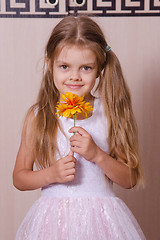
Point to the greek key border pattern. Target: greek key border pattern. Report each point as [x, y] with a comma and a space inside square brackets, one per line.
[62, 8]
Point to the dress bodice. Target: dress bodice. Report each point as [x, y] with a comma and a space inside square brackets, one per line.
[89, 180]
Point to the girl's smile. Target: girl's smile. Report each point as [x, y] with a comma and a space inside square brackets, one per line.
[75, 70]
[74, 86]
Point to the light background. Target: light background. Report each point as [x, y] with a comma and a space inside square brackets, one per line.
[136, 41]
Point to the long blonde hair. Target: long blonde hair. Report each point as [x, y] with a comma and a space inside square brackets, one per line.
[122, 128]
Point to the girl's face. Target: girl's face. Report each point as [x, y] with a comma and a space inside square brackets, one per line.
[75, 70]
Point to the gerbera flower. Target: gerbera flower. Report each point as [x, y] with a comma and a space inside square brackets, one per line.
[73, 105]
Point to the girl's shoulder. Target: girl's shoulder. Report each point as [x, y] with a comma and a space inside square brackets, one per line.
[30, 117]
[28, 127]
[35, 110]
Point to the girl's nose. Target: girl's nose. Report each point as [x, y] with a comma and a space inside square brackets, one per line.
[75, 76]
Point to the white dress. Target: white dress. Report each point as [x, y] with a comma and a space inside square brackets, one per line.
[86, 208]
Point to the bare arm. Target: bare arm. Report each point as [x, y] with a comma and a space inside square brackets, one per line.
[114, 169]
[24, 178]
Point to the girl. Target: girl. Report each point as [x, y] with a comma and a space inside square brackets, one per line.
[77, 165]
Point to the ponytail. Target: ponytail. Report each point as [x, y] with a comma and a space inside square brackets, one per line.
[122, 127]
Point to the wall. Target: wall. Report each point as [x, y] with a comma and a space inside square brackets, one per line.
[136, 40]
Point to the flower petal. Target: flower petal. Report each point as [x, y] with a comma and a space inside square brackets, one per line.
[73, 105]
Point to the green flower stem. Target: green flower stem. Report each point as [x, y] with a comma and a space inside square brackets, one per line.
[74, 122]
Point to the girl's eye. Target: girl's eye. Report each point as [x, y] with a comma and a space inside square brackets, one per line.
[86, 68]
[64, 67]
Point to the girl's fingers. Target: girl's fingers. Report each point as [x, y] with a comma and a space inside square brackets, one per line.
[65, 168]
[76, 137]
[67, 160]
[71, 153]
[70, 172]
[69, 178]
[79, 130]
[70, 165]
[76, 144]
[76, 150]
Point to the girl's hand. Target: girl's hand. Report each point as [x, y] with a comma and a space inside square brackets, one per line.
[82, 143]
[63, 170]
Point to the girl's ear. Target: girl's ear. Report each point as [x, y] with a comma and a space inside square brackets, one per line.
[47, 62]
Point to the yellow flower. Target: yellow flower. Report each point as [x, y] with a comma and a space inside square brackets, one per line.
[73, 105]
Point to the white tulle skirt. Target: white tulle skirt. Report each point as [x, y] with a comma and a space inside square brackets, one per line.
[79, 219]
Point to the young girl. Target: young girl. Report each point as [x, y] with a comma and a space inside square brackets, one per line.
[76, 166]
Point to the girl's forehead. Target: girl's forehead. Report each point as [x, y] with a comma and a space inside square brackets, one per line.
[71, 51]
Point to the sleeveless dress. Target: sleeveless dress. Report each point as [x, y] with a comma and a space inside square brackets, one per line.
[86, 208]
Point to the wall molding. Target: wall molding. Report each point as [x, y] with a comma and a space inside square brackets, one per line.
[62, 8]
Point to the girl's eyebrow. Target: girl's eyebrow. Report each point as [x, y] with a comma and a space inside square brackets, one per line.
[92, 63]
[84, 64]
[61, 62]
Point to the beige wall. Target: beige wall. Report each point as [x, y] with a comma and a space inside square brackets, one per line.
[136, 42]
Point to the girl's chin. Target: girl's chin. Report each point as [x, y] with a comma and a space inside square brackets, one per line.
[75, 92]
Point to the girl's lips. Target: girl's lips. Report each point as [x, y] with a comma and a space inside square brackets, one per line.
[73, 86]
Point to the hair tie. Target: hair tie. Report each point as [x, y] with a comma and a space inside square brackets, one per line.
[108, 48]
